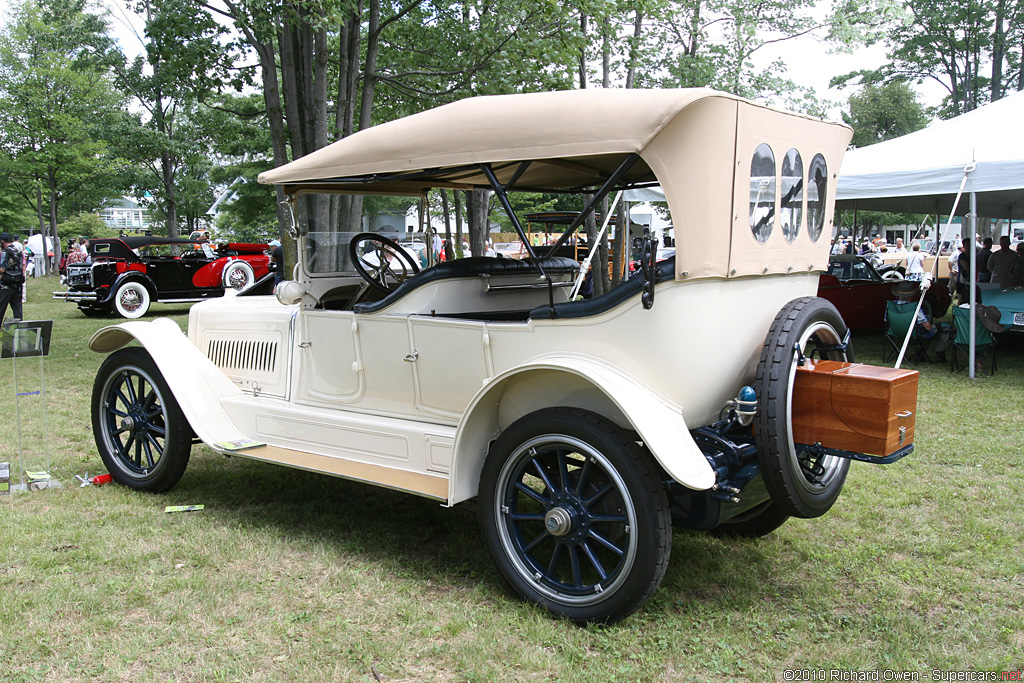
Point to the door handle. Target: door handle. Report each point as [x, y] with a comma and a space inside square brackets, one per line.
[411, 357]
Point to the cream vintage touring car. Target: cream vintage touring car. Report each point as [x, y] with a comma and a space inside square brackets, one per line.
[711, 391]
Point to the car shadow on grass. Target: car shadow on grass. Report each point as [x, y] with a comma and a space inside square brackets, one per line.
[415, 536]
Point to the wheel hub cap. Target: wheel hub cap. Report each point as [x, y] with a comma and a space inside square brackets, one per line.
[558, 521]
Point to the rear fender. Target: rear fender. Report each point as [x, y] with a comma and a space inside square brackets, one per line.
[197, 384]
[583, 383]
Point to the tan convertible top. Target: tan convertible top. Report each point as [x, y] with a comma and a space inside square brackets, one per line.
[696, 143]
[503, 129]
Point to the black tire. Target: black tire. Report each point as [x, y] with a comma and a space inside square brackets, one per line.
[141, 433]
[759, 521]
[800, 484]
[575, 515]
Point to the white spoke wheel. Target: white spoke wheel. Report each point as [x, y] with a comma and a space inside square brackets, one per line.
[131, 300]
[238, 275]
[800, 484]
[575, 515]
[140, 431]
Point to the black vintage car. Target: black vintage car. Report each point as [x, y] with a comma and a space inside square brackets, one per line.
[126, 274]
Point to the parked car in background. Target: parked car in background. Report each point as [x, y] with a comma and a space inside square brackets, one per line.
[1010, 302]
[856, 288]
[509, 249]
[125, 275]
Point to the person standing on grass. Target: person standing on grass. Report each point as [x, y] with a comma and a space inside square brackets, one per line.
[12, 277]
[984, 274]
[915, 262]
[1017, 270]
[1000, 262]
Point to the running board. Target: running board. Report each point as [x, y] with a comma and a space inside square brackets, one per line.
[427, 485]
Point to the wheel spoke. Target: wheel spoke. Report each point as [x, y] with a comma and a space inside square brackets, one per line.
[611, 519]
[138, 453]
[594, 561]
[543, 475]
[574, 561]
[126, 449]
[537, 540]
[555, 556]
[149, 455]
[524, 517]
[124, 399]
[584, 477]
[520, 486]
[131, 390]
[606, 543]
[599, 495]
[563, 470]
[152, 440]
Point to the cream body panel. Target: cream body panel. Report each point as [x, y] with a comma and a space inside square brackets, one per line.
[400, 445]
[695, 349]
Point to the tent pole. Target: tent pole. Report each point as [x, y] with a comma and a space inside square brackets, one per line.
[974, 280]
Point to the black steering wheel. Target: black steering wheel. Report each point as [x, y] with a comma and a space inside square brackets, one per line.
[382, 262]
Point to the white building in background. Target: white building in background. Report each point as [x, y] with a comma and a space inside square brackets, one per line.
[125, 214]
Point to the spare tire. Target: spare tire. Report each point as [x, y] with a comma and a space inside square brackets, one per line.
[801, 484]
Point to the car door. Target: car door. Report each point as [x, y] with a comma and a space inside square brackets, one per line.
[451, 359]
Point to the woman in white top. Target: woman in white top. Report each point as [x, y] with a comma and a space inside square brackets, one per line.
[915, 263]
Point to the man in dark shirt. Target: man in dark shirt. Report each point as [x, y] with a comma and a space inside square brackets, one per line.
[277, 256]
[12, 277]
[986, 250]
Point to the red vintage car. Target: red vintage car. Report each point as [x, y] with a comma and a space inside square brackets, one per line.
[126, 274]
[860, 293]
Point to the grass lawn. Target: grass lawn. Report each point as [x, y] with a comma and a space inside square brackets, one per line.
[293, 577]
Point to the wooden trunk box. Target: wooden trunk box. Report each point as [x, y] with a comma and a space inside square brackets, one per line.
[853, 407]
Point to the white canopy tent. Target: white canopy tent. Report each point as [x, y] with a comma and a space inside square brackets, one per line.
[979, 155]
[921, 172]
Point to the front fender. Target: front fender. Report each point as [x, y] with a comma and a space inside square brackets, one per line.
[197, 384]
[577, 381]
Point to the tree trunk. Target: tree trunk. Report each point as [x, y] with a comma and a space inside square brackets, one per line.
[458, 219]
[447, 216]
[479, 201]
[171, 198]
[597, 266]
[583, 51]
[369, 71]
[998, 52]
[53, 225]
[634, 49]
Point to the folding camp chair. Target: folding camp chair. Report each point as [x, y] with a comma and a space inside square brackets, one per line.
[984, 342]
[899, 319]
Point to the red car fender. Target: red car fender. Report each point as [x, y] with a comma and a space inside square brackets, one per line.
[211, 274]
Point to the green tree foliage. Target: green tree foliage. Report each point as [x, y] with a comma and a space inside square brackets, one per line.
[884, 111]
[84, 225]
[185, 59]
[55, 101]
[972, 48]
